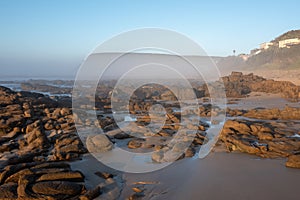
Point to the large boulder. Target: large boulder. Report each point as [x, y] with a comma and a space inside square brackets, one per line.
[135, 143]
[70, 176]
[293, 161]
[57, 188]
[98, 143]
[8, 191]
[239, 85]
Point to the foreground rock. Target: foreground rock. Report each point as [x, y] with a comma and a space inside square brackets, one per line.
[37, 137]
[37, 180]
[99, 143]
[293, 161]
[8, 191]
[57, 188]
[265, 139]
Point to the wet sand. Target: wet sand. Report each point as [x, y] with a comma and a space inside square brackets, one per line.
[291, 75]
[221, 176]
[261, 100]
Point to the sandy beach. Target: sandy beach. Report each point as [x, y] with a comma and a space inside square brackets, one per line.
[278, 75]
[220, 175]
[261, 133]
[260, 100]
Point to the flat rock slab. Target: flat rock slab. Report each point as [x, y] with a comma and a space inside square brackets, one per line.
[293, 161]
[8, 191]
[57, 188]
[70, 176]
[99, 143]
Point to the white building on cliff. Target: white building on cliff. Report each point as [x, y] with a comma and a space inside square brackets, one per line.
[286, 43]
[265, 45]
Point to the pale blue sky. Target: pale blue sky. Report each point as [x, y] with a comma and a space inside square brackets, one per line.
[37, 35]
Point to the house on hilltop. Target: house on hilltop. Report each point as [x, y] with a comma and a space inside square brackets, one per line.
[265, 45]
[286, 43]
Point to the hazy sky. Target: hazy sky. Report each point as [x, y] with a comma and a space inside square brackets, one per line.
[39, 35]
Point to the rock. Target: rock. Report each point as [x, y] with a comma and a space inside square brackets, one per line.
[293, 161]
[239, 85]
[57, 188]
[265, 129]
[69, 176]
[49, 170]
[165, 133]
[56, 113]
[26, 157]
[190, 152]
[27, 113]
[173, 118]
[282, 148]
[264, 135]
[15, 177]
[67, 147]
[137, 189]
[104, 175]
[7, 96]
[121, 136]
[242, 145]
[157, 156]
[65, 111]
[238, 126]
[285, 114]
[173, 152]
[135, 143]
[171, 156]
[158, 147]
[117, 134]
[202, 128]
[36, 138]
[255, 128]
[266, 139]
[180, 146]
[12, 169]
[23, 184]
[91, 194]
[72, 148]
[137, 196]
[51, 165]
[99, 143]
[8, 191]
[49, 125]
[197, 141]
[8, 147]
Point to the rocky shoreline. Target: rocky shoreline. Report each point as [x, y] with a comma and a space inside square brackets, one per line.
[39, 141]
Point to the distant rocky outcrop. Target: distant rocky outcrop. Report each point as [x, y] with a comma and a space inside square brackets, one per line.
[41, 86]
[239, 85]
[38, 138]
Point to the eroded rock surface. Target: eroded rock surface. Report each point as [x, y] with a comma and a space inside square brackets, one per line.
[37, 140]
